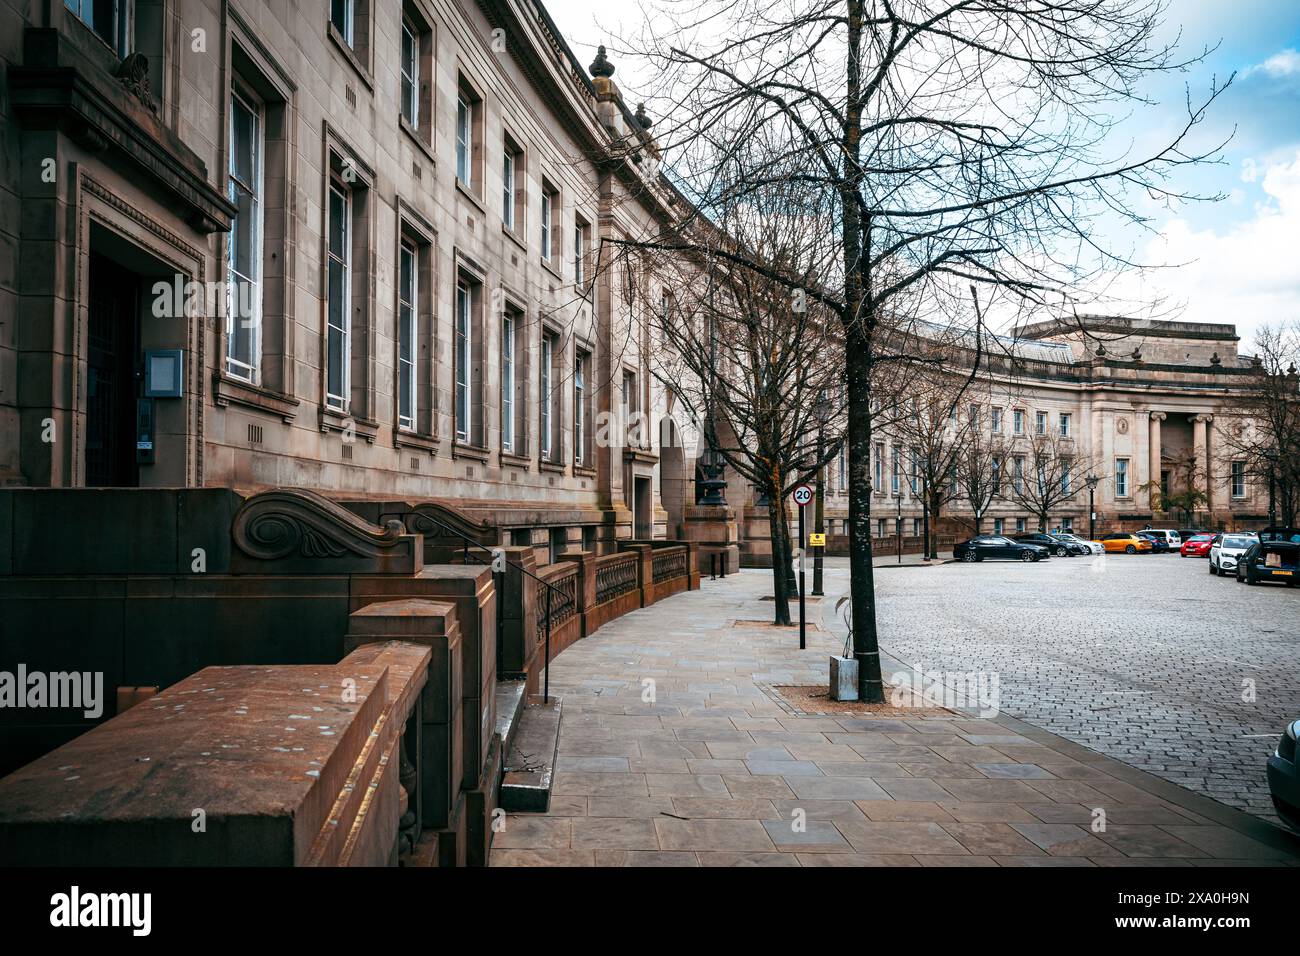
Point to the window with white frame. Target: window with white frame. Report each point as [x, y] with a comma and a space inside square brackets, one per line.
[410, 70]
[1040, 423]
[1121, 477]
[464, 359]
[581, 238]
[1018, 422]
[894, 476]
[841, 470]
[509, 329]
[407, 333]
[878, 462]
[464, 138]
[999, 525]
[244, 241]
[1067, 469]
[1238, 479]
[550, 221]
[110, 21]
[996, 420]
[1020, 526]
[1067, 525]
[469, 137]
[343, 14]
[1018, 474]
[512, 185]
[997, 475]
[880, 527]
[339, 298]
[547, 395]
[1065, 425]
[581, 409]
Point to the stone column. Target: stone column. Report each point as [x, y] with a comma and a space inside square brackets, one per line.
[1201, 448]
[1156, 462]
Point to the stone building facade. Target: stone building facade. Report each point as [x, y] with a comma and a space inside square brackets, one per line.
[350, 246]
[1141, 402]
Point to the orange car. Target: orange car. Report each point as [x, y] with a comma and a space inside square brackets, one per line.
[1126, 543]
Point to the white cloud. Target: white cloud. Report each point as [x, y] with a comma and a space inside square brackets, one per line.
[1246, 274]
[1284, 63]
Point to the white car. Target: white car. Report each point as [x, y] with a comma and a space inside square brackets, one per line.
[1093, 546]
[1226, 549]
[1172, 538]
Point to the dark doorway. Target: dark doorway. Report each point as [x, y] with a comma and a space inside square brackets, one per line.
[113, 360]
[643, 519]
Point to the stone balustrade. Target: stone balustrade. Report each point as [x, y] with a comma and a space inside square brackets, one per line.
[296, 765]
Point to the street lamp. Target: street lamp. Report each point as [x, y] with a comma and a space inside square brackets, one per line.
[1091, 482]
[822, 411]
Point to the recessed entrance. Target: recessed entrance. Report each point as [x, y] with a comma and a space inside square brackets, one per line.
[113, 363]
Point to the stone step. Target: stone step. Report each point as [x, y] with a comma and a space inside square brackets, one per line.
[530, 761]
[510, 708]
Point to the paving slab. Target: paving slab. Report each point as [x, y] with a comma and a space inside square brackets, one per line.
[719, 770]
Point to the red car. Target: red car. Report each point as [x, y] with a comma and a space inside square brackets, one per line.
[1197, 546]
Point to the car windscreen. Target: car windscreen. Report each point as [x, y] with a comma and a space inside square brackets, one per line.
[1237, 541]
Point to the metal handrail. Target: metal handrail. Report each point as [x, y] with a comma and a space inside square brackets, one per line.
[467, 542]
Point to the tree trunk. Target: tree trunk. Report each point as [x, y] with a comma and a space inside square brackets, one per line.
[866, 646]
[780, 558]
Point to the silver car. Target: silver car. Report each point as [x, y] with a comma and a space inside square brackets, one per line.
[1093, 546]
[1225, 551]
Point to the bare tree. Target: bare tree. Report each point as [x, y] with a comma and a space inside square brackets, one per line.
[1262, 430]
[761, 367]
[980, 472]
[953, 141]
[1048, 475]
[935, 432]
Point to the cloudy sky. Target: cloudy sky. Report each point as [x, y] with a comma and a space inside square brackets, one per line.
[1238, 260]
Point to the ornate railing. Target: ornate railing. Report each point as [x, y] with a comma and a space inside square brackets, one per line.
[557, 597]
[616, 575]
[669, 563]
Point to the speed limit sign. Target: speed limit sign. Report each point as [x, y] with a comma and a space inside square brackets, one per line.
[802, 494]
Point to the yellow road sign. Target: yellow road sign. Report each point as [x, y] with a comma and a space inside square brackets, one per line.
[816, 540]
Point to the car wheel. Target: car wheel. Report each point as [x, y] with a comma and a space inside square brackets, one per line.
[1027, 556]
[1250, 579]
[1060, 552]
[1130, 550]
[969, 556]
[1213, 570]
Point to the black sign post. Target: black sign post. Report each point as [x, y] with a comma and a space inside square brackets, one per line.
[802, 495]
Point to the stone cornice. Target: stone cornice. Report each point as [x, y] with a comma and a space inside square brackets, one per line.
[58, 88]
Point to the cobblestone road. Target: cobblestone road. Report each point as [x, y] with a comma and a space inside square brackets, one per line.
[1145, 658]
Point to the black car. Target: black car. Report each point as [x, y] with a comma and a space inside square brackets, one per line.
[1057, 546]
[1274, 557]
[1283, 777]
[996, 546]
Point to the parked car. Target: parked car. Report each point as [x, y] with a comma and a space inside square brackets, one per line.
[1080, 545]
[1158, 545]
[1284, 778]
[1061, 549]
[1197, 546]
[1172, 538]
[1126, 542]
[1226, 550]
[996, 546]
[1275, 558]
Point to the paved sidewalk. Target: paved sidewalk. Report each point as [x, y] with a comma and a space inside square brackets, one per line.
[714, 771]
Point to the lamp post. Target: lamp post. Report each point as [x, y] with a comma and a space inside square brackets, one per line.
[822, 411]
[1091, 482]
